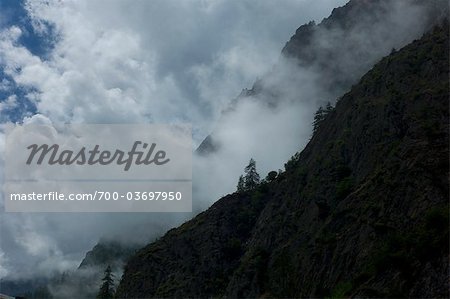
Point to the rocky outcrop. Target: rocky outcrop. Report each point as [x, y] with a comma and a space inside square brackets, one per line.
[362, 211]
[108, 253]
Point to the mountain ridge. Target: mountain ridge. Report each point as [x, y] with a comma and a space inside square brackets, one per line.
[362, 211]
[338, 51]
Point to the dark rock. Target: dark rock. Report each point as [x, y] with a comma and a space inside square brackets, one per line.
[378, 162]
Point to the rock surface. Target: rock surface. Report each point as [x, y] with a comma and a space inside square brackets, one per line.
[362, 211]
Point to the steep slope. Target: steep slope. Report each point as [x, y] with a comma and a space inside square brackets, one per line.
[361, 211]
[85, 281]
[356, 37]
[107, 253]
[337, 52]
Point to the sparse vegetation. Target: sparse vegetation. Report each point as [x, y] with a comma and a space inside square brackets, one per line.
[302, 236]
[251, 178]
[320, 115]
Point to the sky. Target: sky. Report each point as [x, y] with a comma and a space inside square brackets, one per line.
[167, 61]
[149, 61]
[83, 61]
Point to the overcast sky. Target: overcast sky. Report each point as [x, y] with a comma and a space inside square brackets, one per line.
[142, 61]
[126, 62]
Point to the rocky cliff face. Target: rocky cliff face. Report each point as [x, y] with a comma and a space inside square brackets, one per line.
[361, 211]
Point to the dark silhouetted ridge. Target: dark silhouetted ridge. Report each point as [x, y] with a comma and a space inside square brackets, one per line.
[362, 211]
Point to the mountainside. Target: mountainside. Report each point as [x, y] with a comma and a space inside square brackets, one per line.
[354, 32]
[361, 211]
[85, 281]
[107, 253]
[338, 51]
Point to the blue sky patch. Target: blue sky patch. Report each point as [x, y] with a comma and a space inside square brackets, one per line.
[13, 13]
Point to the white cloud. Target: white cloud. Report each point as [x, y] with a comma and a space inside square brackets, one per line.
[113, 61]
[153, 60]
[5, 85]
[272, 135]
[9, 103]
[162, 61]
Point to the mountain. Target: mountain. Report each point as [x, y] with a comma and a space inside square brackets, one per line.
[85, 281]
[28, 288]
[362, 211]
[335, 53]
[356, 35]
[107, 253]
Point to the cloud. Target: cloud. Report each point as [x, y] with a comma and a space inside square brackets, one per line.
[5, 85]
[9, 103]
[169, 61]
[3, 261]
[275, 121]
[151, 61]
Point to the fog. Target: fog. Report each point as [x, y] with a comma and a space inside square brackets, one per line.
[275, 121]
[166, 61]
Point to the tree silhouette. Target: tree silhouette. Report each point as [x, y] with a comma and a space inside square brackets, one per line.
[328, 108]
[320, 115]
[251, 178]
[241, 184]
[107, 288]
[271, 176]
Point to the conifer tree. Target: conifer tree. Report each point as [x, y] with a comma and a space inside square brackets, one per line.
[241, 184]
[107, 288]
[251, 178]
[318, 117]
